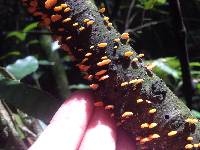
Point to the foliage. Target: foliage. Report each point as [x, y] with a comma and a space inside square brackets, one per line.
[169, 70]
[150, 4]
[22, 35]
[29, 99]
[23, 67]
[171, 66]
[24, 57]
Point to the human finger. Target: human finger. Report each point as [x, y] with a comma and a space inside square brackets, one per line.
[101, 132]
[68, 125]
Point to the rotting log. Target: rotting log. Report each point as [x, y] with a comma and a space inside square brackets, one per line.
[140, 101]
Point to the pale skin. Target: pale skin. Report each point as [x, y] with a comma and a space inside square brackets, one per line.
[79, 125]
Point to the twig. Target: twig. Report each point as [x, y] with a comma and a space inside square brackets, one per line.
[28, 131]
[143, 16]
[19, 144]
[128, 22]
[152, 23]
[180, 33]
[33, 32]
[38, 32]
[115, 9]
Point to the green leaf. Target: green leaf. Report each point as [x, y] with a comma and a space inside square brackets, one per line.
[195, 113]
[23, 67]
[198, 87]
[22, 35]
[17, 34]
[173, 62]
[18, 124]
[194, 64]
[30, 27]
[79, 86]
[46, 63]
[166, 68]
[149, 4]
[12, 53]
[30, 100]
[195, 74]
[161, 2]
[32, 42]
[5, 74]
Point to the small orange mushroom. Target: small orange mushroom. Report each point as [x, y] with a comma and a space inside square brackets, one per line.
[102, 10]
[50, 3]
[125, 36]
[55, 18]
[104, 62]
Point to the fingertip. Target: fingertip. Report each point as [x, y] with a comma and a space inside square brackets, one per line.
[101, 132]
[77, 101]
[68, 125]
[102, 117]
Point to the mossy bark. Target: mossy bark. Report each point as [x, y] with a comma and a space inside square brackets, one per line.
[171, 112]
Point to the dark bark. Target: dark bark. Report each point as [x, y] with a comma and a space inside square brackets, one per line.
[171, 113]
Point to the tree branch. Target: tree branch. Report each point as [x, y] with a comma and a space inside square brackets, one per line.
[140, 101]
